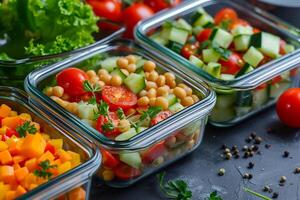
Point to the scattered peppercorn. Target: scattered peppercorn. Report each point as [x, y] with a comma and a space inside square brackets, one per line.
[253, 135]
[297, 170]
[268, 146]
[282, 179]
[286, 154]
[255, 148]
[246, 176]
[227, 150]
[275, 195]
[228, 156]
[233, 148]
[248, 139]
[250, 165]
[245, 148]
[250, 176]
[257, 140]
[251, 153]
[224, 146]
[236, 152]
[221, 172]
[246, 154]
[266, 188]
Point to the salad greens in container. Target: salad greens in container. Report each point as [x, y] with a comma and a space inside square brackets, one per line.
[34, 33]
[248, 59]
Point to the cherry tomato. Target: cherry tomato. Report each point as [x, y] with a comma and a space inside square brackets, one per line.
[133, 14]
[71, 80]
[282, 47]
[225, 14]
[294, 72]
[189, 49]
[256, 30]
[108, 159]
[204, 35]
[102, 120]
[49, 147]
[11, 132]
[288, 107]
[232, 65]
[109, 9]
[238, 22]
[118, 97]
[160, 117]
[153, 152]
[277, 79]
[158, 5]
[125, 172]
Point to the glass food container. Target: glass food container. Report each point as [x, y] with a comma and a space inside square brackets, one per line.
[167, 141]
[13, 73]
[232, 94]
[77, 178]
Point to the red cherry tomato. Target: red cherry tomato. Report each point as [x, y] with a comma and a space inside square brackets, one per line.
[49, 147]
[277, 79]
[102, 120]
[118, 97]
[125, 172]
[71, 80]
[189, 49]
[109, 9]
[158, 5]
[238, 22]
[232, 65]
[288, 107]
[160, 117]
[294, 72]
[11, 132]
[256, 30]
[282, 47]
[225, 14]
[108, 159]
[204, 35]
[133, 14]
[153, 152]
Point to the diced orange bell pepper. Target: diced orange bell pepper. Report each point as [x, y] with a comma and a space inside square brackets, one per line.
[31, 164]
[77, 194]
[3, 190]
[32, 186]
[10, 195]
[20, 191]
[16, 166]
[18, 159]
[4, 110]
[46, 156]
[7, 173]
[12, 122]
[64, 167]
[15, 147]
[28, 181]
[21, 173]
[64, 156]
[75, 158]
[5, 157]
[3, 146]
[33, 145]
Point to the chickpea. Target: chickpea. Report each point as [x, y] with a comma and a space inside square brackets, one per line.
[122, 63]
[116, 80]
[152, 101]
[187, 101]
[150, 84]
[143, 101]
[131, 68]
[147, 74]
[149, 66]
[131, 59]
[182, 85]
[171, 141]
[101, 84]
[153, 76]
[91, 74]
[124, 71]
[170, 77]
[195, 98]
[143, 93]
[49, 91]
[94, 79]
[105, 78]
[151, 93]
[130, 111]
[162, 91]
[59, 101]
[162, 102]
[123, 125]
[188, 91]
[161, 80]
[179, 92]
[172, 84]
[72, 107]
[102, 72]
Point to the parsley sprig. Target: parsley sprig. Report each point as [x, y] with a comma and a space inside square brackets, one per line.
[120, 113]
[25, 128]
[214, 196]
[92, 88]
[43, 172]
[150, 113]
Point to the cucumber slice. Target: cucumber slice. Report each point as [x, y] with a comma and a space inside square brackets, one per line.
[181, 23]
[277, 89]
[174, 46]
[86, 111]
[221, 37]
[178, 35]
[126, 135]
[288, 48]
[196, 61]
[242, 30]
[201, 18]
[176, 107]
[109, 63]
[140, 63]
[245, 69]
[213, 69]
[267, 43]
[227, 77]
[225, 100]
[172, 99]
[241, 42]
[210, 55]
[119, 73]
[132, 159]
[135, 82]
[158, 38]
[260, 97]
[253, 56]
[222, 114]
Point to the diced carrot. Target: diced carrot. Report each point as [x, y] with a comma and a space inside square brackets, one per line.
[4, 110]
[5, 157]
[18, 159]
[3, 190]
[10, 195]
[21, 173]
[32, 186]
[77, 194]
[7, 173]
[33, 145]
[75, 158]
[3, 146]
[31, 164]
[64, 167]
[12, 122]
[20, 190]
[28, 181]
[16, 166]
[46, 156]
[15, 147]
[64, 156]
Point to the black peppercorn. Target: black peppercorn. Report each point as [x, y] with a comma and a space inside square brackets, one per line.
[286, 154]
[250, 165]
[258, 140]
[268, 146]
[275, 195]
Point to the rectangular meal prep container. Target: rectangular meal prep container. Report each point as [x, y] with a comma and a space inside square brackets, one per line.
[13, 73]
[79, 176]
[184, 129]
[228, 92]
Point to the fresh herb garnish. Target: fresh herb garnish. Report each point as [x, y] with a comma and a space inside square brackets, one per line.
[92, 88]
[225, 24]
[257, 194]
[120, 113]
[43, 172]
[214, 196]
[108, 126]
[150, 113]
[103, 109]
[26, 128]
[177, 189]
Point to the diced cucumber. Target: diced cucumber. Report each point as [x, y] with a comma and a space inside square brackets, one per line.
[197, 30]
[253, 56]
[109, 63]
[167, 26]
[132, 159]
[126, 135]
[225, 100]
[222, 114]
[260, 97]
[141, 129]
[140, 63]
[241, 42]
[267, 43]
[201, 18]
[135, 82]
[213, 69]
[210, 55]
[86, 111]
[244, 99]
[172, 99]
[245, 69]
[196, 61]
[174, 46]
[221, 37]
[158, 38]
[288, 48]
[227, 77]
[181, 23]
[277, 89]
[176, 107]
[178, 35]
[119, 73]
[242, 30]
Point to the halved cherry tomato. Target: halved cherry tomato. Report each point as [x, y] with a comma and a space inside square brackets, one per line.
[158, 5]
[189, 49]
[153, 152]
[118, 97]
[238, 22]
[102, 120]
[49, 147]
[262, 86]
[11, 132]
[108, 159]
[160, 117]
[232, 65]
[277, 79]
[294, 72]
[256, 30]
[204, 35]
[71, 80]
[225, 14]
[109, 9]
[282, 47]
[125, 172]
